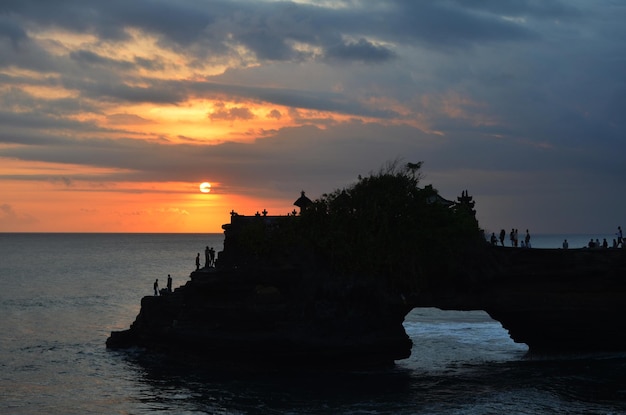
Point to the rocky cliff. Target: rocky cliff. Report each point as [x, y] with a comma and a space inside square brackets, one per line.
[553, 300]
[561, 300]
[333, 285]
[274, 317]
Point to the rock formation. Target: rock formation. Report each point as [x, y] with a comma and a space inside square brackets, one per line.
[560, 300]
[331, 296]
[247, 311]
[278, 317]
[553, 300]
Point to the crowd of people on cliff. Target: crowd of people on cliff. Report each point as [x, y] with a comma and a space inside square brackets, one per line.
[163, 291]
[618, 241]
[513, 237]
[209, 258]
[209, 261]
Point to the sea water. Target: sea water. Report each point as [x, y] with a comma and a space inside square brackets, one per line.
[62, 294]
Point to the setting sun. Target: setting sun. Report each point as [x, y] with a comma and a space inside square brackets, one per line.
[205, 187]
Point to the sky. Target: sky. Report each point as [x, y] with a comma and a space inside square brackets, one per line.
[113, 113]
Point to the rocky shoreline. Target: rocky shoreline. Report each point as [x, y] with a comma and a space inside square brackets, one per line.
[268, 317]
[558, 301]
[555, 301]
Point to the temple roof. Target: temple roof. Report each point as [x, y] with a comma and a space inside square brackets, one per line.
[303, 201]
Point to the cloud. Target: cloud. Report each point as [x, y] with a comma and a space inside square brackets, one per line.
[272, 30]
[515, 98]
[11, 30]
[127, 119]
[9, 218]
[274, 114]
[361, 51]
[221, 113]
[65, 181]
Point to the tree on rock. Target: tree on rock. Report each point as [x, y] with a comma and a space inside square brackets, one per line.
[386, 226]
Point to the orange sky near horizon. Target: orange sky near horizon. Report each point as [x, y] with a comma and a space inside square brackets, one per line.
[135, 208]
[87, 196]
[45, 198]
[113, 113]
[52, 197]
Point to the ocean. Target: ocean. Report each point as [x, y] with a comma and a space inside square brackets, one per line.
[62, 294]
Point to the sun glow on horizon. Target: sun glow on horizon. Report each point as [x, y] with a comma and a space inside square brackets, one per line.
[205, 187]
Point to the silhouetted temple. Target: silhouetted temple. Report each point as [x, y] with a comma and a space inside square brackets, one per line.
[303, 202]
[467, 202]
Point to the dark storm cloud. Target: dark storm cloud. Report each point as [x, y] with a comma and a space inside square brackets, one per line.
[149, 64]
[37, 121]
[546, 9]
[91, 58]
[270, 28]
[157, 92]
[298, 98]
[108, 19]
[361, 51]
[444, 24]
[11, 30]
[15, 98]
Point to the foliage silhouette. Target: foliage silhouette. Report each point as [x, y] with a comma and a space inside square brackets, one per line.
[386, 226]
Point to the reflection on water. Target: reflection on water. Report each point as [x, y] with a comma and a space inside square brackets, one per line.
[548, 386]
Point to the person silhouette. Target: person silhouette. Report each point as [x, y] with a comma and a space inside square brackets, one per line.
[212, 256]
[169, 283]
[156, 287]
[198, 261]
